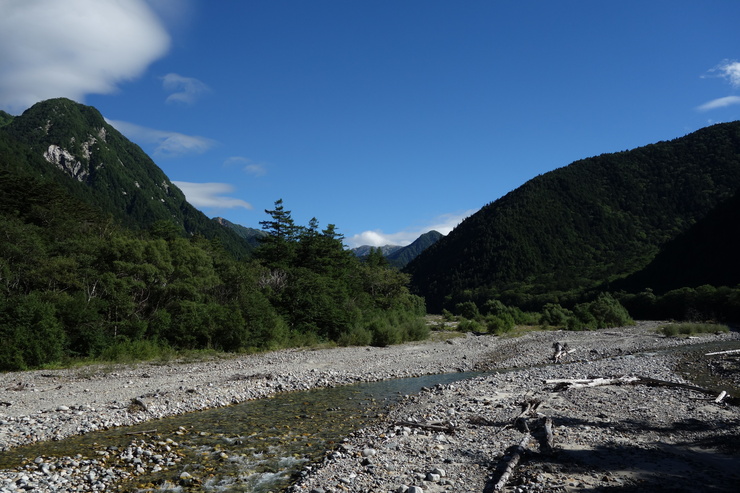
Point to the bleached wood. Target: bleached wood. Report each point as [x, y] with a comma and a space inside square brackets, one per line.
[731, 351]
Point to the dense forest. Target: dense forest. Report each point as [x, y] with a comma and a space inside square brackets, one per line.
[85, 272]
[569, 234]
[75, 284]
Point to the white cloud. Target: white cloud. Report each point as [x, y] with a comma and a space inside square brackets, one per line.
[719, 103]
[210, 195]
[73, 48]
[728, 70]
[248, 166]
[167, 143]
[184, 89]
[443, 224]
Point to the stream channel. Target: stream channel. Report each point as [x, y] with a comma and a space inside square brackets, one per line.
[255, 446]
[261, 445]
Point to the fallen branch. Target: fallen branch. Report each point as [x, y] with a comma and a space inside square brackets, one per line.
[548, 446]
[731, 351]
[446, 427]
[517, 453]
[562, 384]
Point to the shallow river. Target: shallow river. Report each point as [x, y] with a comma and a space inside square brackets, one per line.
[256, 446]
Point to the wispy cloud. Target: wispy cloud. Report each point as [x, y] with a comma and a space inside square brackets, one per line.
[443, 224]
[211, 195]
[719, 103]
[73, 48]
[728, 70]
[184, 89]
[166, 143]
[248, 166]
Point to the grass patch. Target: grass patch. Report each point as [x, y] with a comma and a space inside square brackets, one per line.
[689, 329]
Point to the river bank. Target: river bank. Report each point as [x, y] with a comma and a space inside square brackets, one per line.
[50, 405]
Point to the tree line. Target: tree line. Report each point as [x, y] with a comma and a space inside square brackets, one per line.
[74, 284]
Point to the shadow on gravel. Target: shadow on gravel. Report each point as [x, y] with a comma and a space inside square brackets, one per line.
[703, 456]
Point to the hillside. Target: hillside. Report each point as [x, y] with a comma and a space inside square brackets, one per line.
[706, 254]
[399, 256]
[72, 145]
[574, 228]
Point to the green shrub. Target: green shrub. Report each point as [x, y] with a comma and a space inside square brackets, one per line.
[468, 309]
[126, 351]
[384, 334]
[673, 330]
[555, 315]
[470, 326]
[609, 312]
[499, 324]
[416, 330]
[356, 336]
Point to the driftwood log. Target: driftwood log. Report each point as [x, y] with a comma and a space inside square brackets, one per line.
[443, 426]
[560, 351]
[562, 384]
[731, 351]
[517, 453]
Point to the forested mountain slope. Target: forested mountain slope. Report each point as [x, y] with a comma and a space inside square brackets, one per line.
[706, 254]
[569, 230]
[72, 145]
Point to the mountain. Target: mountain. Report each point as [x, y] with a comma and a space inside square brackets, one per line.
[399, 256]
[364, 250]
[72, 145]
[251, 235]
[596, 220]
[705, 254]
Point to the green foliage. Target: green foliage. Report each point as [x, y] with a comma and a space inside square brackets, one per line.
[466, 325]
[74, 285]
[555, 315]
[109, 173]
[607, 311]
[500, 323]
[702, 303]
[570, 232]
[467, 309]
[687, 329]
[107, 260]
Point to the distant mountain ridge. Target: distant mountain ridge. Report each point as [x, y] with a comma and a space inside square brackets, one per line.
[71, 144]
[573, 229]
[399, 256]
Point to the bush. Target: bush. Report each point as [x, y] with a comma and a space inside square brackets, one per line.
[125, 351]
[609, 312]
[468, 309]
[673, 330]
[384, 334]
[498, 324]
[469, 326]
[555, 315]
[356, 336]
[416, 330]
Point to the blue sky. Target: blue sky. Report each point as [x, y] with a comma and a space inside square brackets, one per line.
[385, 118]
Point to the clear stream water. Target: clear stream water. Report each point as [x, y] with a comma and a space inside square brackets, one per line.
[266, 442]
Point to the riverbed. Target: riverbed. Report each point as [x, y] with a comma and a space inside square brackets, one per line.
[54, 405]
